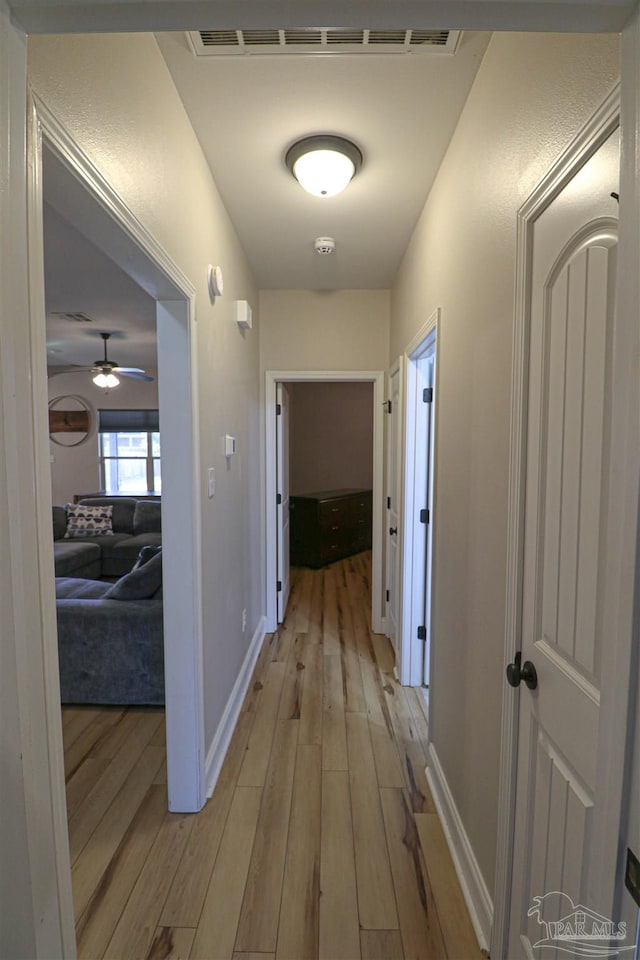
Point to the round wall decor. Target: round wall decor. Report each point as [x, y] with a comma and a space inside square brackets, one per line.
[71, 420]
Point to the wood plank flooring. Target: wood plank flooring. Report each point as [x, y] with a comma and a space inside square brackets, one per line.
[321, 839]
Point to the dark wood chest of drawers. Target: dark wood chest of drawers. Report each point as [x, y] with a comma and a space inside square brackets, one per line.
[329, 525]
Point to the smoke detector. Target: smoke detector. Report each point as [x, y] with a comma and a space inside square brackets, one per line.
[324, 245]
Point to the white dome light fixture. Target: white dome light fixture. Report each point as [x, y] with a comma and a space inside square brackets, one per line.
[106, 380]
[323, 165]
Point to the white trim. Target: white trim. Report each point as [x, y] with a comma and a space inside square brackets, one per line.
[272, 377]
[121, 234]
[48, 709]
[90, 16]
[100, 191]
[613, 716]
[220, 743]
[394, 461]
[621, 607]
[474, 889]
[182, 550]
[412, 572]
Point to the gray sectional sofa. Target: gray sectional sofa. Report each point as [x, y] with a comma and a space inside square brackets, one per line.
[110, 636]
[136, 524]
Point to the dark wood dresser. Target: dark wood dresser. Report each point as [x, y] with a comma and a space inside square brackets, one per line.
[329, 525]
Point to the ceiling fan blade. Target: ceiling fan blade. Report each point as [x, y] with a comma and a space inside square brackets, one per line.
[134, 376]
[127, 370]
[58, 370]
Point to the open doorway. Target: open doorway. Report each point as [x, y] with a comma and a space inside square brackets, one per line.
[77, 190]
[275, 518]
[330, 471]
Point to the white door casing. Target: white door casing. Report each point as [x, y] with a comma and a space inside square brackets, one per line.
[428, 365]
[272, 379]
[393, 531]
[571, 332]
[282, 468]
[75, 183]
[417, 536]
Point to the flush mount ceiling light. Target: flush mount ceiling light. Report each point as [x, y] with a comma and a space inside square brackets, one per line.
[323, 165]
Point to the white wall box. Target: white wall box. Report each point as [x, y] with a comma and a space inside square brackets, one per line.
[243, 314]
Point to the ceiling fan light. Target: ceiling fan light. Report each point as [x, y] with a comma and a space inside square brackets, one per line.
[106, 380]
[324, 165]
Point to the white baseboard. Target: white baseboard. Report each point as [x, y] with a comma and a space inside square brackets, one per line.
[474, 889]
[220, 744]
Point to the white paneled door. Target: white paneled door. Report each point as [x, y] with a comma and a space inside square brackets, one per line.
[282, 473]
[564, 562]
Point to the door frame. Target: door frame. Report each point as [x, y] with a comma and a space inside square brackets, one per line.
[282, 502]
[394, 464]
[118, 232]
[272, 377]
[413, 572]
[618, 588]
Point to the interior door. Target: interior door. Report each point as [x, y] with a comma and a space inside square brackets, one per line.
[393, 503]
[428, 400]
[282, 497]
[563, 634]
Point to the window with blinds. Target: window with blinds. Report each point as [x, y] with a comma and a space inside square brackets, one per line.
[129, 451]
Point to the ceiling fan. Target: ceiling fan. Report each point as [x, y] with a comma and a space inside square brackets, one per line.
[105, 369]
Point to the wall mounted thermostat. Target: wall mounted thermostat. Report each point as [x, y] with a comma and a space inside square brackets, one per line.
[215, 281]
[243, 314]
[229, 445]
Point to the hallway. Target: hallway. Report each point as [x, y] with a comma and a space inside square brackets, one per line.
[321, 839]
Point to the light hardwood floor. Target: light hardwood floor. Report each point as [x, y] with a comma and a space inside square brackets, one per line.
[321, 839]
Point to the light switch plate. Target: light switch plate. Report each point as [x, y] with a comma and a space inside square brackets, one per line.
[211, 481]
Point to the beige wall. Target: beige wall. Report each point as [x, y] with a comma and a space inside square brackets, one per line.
[331, 436]
[531, 95]
[327, 330]
[77, 469]
[115, 96]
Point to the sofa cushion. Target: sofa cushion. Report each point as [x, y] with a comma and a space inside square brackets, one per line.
[77, 558]
[120, 554]
[123, 510]
[88, 521]
[59, 522]
[146, 518]
[73, 588]
[145, 555]
[142, 582]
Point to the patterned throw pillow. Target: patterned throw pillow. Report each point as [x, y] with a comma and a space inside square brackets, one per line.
[86, 521]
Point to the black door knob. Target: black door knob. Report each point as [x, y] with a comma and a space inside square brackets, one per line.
[392, 530]
[516, 673]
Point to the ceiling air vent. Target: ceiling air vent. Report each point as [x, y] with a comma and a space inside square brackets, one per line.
[325, 40]
[432, 38]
